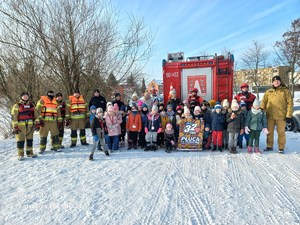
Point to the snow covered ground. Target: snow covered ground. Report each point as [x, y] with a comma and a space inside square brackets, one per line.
[137, 187]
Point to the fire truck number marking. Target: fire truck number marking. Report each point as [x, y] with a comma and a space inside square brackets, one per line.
[174, 74]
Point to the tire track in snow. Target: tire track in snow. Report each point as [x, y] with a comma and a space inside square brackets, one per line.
[201, 214]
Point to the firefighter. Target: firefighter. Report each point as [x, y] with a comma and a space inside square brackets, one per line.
[194, 98]
[61, 104]
[77, 115]
[49, 119]
[245, 96]
[23, 116]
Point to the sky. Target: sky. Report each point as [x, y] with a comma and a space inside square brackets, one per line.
[197, 26]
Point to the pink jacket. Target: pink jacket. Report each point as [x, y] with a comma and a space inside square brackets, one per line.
[112, 124]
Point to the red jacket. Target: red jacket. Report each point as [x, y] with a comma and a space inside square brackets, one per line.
[248, 98]
[134, 122]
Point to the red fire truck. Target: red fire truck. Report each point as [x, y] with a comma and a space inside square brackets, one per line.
[211, 75]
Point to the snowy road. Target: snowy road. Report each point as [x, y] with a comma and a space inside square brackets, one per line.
[137, 187]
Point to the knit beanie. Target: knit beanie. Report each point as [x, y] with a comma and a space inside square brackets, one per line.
[154, 108]
[93, 107]
[197, 108]
[116, 107]
[256, 103]
[169, 106]
[186, 110]
[110, 108]
[134, 95]
[140, 103]
[144, 105]
[218, 106]
[212, 103]
[99, 110]
[234, 104]
[243, 104]
[225, 103]
[108, 104]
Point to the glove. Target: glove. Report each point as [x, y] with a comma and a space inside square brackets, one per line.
[146, 130]
[68, 122]
[159, 130]
[16, 130]
[247, 130]
[265, 130]
[59, 125]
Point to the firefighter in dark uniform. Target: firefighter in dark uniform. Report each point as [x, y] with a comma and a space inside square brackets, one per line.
[77, 115]
[49, 119]
[23, 116]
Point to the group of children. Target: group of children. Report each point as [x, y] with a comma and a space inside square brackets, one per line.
[225, 125]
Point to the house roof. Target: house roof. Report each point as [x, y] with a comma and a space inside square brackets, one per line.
[159, 82]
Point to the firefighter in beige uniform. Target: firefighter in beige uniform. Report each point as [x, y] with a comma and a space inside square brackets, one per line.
[77, 115]
[49, 119]
[23, 116]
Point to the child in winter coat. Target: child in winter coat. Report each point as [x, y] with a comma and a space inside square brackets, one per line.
[164, 120]
[217, 126]
[225, 107]
[134, 126]
[169, 136]
[207, 134]
[119, 119]
[236, 125]
[142, 134]
[123, 126]
[112, 124]
[153, 127]
[178, 117]
[98, 128]
[243, 109]
[171, 115]
[92, 116]
[256, 121]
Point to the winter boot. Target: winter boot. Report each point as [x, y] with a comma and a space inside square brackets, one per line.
[84, 143]
[268, 149]
[226, 147]
[91, 157]
[106, 153]
[281, 151]
[240, 144]
[129, 146]
[220, 148]
[249, 149]
[72, 145]
[231, 150]
[214, 148]
[147, 148]
[234, 150]
[256, 150]
[134, 146]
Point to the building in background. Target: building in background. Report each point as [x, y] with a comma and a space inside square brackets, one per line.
[155, 85]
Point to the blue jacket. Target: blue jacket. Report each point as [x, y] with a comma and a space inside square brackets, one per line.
[217, 121]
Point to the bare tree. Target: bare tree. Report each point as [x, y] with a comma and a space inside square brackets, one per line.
[254, 58]
[288, 52]
[75, 40]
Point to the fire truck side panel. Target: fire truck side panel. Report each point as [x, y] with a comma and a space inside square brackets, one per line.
[200, 78]
[171, 78]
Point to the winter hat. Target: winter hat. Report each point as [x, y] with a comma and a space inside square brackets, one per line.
[117, 94]
[50, 94]
[154, 108]
[212, 103]
[243, 104]
[116, 107]
[24, 93]
[144, 105]
[58, 94]
[234, 104]
[169, 106]
[244, 85]
[134, 95]
[93, 107]
[169, 126]
[218, 106]
[197, 108]
[108, 104]
[99, 110]
[179, 107]
[276, 78]
[133, 105]
[194, 90]
[225, 103]
[110, 108]
[161, 104]
[186, 110]
[140, 103]
[256, 103]
[173, 91]
[76, 91]
[122, 108]
[192, 103]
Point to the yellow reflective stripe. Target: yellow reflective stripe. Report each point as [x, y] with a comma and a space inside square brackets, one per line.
[80, 116]
[23, 123]
[15, 123]
[50, 119]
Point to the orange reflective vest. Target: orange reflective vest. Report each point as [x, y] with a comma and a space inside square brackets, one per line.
[49, 109]
[77, 105]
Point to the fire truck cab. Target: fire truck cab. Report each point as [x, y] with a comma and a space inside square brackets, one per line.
[211, 75]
